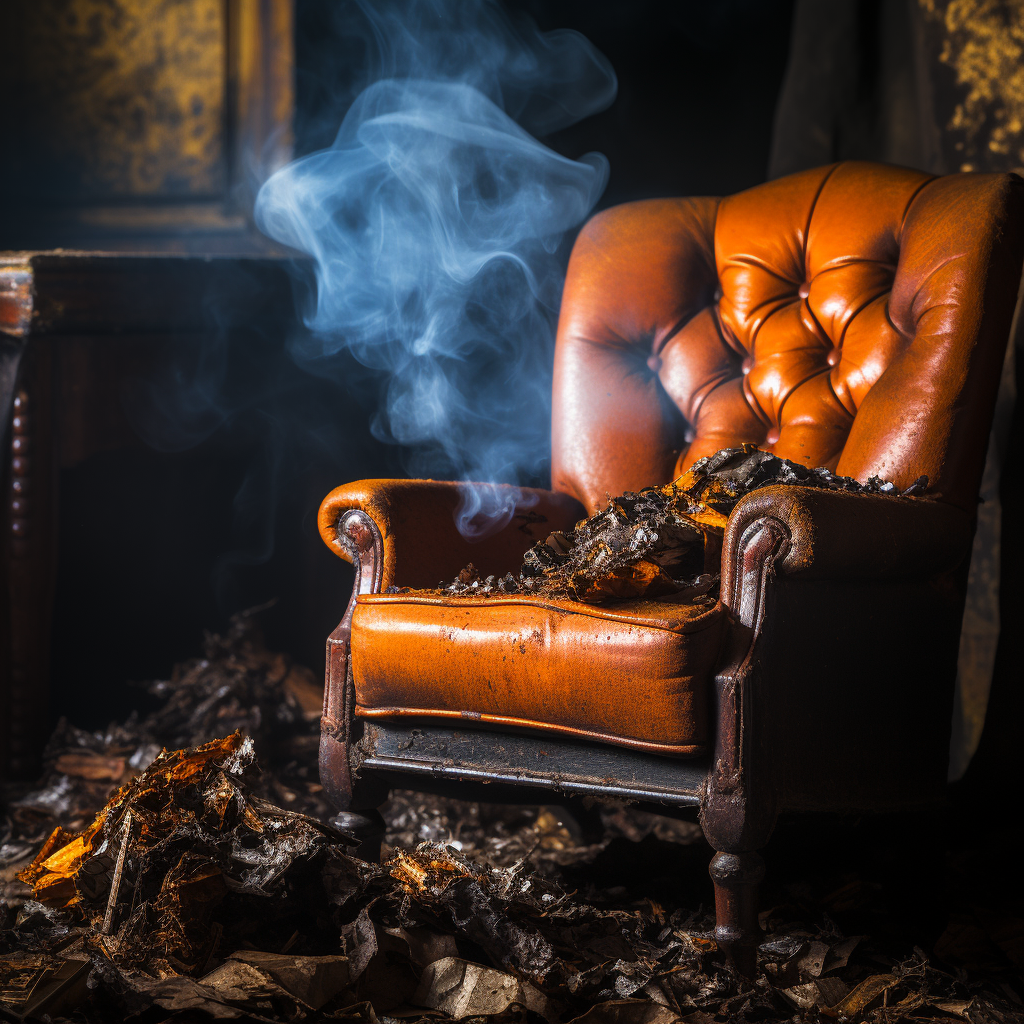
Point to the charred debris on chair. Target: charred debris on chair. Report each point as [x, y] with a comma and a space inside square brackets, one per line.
[661, 542]
[191, 884]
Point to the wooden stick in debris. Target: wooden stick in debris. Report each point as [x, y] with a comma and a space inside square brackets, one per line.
[115, 884]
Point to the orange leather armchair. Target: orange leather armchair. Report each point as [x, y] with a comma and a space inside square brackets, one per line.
[853, 317]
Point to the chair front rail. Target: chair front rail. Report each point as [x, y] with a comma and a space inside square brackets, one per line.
[563, 765]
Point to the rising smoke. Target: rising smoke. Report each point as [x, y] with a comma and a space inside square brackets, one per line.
[437, 224]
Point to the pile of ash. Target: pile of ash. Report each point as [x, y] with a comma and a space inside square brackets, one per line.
[661, 541]
[193, 883]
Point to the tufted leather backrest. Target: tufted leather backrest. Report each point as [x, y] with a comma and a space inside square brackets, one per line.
[852, 316]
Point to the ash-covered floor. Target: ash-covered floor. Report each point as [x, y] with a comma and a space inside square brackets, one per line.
[211, 886]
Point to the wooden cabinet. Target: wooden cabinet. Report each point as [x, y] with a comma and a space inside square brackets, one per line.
[135, 133]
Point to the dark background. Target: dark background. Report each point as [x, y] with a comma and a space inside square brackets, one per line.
[698, 84]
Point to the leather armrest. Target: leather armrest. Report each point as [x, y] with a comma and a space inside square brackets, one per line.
[836, 687]
[422, 545]
[841, 535]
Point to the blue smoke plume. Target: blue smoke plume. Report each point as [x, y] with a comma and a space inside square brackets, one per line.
[437, 224]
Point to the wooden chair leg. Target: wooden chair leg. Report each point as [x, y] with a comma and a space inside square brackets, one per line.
[359, 816]
[367, 827]
[737, 932]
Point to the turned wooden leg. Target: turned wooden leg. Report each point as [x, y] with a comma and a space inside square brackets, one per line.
[365, 826]
[736, 877]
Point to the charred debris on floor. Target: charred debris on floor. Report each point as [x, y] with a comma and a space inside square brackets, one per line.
[158, 871]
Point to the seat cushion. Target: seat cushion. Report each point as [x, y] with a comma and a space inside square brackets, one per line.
[637, 674]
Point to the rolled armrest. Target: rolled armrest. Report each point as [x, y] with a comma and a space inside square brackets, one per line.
[422, 545]
[841, 656]
[841, 535]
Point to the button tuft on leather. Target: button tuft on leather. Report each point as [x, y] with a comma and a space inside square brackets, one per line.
[772, 437]
[689, 435]
[654, 362]
[747, 365]
[804, 290]
[833, 357]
